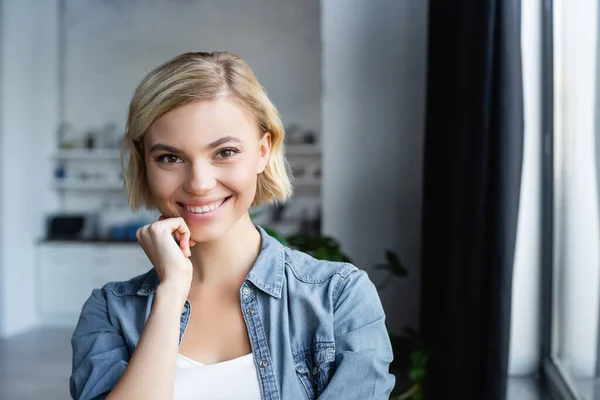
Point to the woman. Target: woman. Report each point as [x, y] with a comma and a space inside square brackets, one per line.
[227, 312]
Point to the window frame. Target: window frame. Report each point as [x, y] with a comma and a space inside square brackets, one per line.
[552, 375]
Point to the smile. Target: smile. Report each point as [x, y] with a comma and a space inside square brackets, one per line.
[207, 208]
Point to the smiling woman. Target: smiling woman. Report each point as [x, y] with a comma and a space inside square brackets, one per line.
[225, 302]
[197, 171]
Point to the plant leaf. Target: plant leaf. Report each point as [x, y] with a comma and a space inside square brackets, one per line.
[417, 374]
[322, 254]
[395, 264]
[392, 257]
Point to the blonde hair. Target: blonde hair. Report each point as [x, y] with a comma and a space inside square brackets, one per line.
[192, 77]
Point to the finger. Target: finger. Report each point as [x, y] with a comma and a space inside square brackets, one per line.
[177, 236]
[161, 218]
[178, 226]
[192, 243]
[185, 248]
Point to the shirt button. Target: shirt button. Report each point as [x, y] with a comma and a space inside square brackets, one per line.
[263, 363]
[250, 311]
[246, 291]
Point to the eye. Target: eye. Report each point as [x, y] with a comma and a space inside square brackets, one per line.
[227, 153]
[168, 159]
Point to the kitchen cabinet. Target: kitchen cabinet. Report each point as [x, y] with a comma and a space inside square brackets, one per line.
[69, 271]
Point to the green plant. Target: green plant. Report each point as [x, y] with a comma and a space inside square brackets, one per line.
[413, 356]
[393, 266]
[408, 347]
[409, 351]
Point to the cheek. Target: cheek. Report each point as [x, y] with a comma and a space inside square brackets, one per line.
[243, 175]
[162, 183]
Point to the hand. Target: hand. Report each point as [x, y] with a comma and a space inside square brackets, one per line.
[171, 261]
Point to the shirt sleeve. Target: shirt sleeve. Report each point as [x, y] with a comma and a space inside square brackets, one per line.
[100, 354]
[363, 351]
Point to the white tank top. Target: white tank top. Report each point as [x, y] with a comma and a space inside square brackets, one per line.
[229, 380]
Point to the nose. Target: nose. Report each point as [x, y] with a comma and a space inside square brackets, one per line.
[200, 179]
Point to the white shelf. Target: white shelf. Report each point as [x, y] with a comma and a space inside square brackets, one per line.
[90, 185]
[85, 154]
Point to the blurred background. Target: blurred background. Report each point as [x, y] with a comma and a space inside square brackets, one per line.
[450, 149]
[347, 78]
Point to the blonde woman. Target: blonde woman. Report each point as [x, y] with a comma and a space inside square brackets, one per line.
[227, 312]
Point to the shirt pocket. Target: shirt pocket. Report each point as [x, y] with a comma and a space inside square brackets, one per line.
[314, 367]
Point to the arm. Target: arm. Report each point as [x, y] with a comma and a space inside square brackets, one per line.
[151, 370]
[101, 364]
[362, 345]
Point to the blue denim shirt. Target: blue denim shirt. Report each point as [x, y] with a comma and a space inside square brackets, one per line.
[317, 329]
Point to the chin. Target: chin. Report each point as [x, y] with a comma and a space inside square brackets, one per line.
[206, 233]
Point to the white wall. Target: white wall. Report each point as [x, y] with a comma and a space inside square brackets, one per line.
[2, 12]
[374, 70]
[111, 45]
[28, 118]
[525, 317]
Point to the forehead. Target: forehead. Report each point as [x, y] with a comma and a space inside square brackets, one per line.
[204, 121]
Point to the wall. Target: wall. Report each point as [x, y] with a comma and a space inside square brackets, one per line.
[374, 71]
[2, 312]
[27, 117]
[111, 45]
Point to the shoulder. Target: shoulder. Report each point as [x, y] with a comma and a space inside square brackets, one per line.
[339, 276]
[138, 285]
[114, 302]
[351, 295]
[311, 270]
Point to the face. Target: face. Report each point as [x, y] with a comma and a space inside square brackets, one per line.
[202, 162]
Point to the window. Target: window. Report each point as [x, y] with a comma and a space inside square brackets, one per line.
[571, 209]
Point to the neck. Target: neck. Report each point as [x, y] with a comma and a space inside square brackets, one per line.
[227, 260]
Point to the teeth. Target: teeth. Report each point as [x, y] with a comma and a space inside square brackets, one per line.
[205, 209]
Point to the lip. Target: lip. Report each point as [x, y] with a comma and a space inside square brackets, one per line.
[202, 203]
[193, 217]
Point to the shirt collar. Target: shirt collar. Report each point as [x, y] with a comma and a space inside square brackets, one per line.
[267, 274]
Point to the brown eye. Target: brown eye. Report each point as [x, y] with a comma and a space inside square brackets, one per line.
[226, 153]
[168, 159]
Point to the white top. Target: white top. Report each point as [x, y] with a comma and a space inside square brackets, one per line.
[228, 380]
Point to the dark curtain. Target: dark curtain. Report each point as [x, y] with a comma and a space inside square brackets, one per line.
[472, 177]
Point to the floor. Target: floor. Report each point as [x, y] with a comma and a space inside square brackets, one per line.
[37, 365]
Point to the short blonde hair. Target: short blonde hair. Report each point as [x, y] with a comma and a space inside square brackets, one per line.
[192, 77]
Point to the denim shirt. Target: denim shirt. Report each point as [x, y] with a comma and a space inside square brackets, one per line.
[317, 329]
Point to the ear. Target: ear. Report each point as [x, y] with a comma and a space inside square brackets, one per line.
[264, 152]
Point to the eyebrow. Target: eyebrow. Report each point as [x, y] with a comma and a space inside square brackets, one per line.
[222, 141]
[210, 146]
